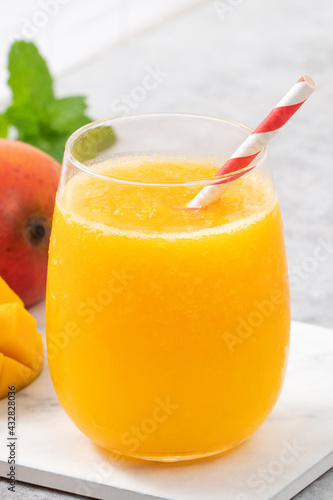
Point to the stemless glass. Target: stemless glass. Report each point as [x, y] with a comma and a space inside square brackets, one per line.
[167, 328]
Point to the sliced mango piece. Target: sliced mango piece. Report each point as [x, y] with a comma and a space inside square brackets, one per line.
[21, 346]
[13, 373]
[7, 294]
[38, 355]
[18, 333]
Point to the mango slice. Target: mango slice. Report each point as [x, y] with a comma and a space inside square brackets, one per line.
[18, 331]
[13, 373]
[7, 295]
[21, 346]
[36, 364]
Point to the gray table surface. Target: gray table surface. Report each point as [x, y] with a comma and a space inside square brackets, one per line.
[238, 65]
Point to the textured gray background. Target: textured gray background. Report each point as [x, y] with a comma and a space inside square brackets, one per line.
[238, 65]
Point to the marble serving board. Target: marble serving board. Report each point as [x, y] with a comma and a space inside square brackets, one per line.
[291, 449]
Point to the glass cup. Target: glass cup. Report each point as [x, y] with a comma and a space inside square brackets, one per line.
[167, 328]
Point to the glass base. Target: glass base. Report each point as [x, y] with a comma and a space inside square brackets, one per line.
[177, 457]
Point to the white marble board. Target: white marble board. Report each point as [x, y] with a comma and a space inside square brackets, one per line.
[291, 449]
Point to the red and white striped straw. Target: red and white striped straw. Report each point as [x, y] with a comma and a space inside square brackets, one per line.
[255, 142]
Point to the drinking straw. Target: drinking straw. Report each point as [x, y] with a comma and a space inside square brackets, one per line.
[254, 143]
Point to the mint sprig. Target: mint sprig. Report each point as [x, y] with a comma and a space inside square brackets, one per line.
[40, 118]
[3, 126]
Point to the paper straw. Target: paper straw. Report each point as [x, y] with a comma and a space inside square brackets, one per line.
[255, 142]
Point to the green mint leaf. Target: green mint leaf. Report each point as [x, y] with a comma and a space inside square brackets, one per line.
[40, 118]
[68, 114]
[29, 79]
[22, 116]
[93, 141]
[3, 126]
[54, 145]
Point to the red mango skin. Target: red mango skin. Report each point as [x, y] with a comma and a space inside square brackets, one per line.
[28, 184]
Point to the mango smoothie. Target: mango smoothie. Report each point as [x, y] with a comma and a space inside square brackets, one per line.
[167, 329]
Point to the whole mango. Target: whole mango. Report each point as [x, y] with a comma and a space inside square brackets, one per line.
[28, 184]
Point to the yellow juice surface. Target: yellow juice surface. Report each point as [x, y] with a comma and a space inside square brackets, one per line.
[167, 329]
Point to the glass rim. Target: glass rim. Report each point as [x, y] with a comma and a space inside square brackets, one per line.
[255, 163]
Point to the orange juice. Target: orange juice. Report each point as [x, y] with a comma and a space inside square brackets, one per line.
[167, 329]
